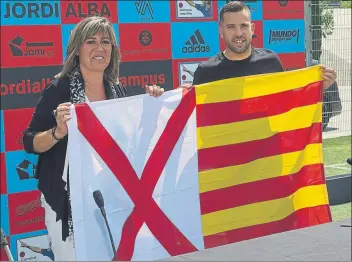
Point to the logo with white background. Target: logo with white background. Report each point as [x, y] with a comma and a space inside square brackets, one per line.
[186, 72]
[194, 9]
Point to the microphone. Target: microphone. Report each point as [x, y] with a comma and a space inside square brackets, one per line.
[5, 245]
[99, 200]
[349, 161]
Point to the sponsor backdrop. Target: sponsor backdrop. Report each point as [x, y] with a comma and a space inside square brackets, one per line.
[161, 43]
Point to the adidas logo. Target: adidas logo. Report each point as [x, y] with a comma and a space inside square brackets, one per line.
[196, 44]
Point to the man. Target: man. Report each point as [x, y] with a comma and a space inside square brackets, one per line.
[47, 252]
[332, 102]
[240, 58]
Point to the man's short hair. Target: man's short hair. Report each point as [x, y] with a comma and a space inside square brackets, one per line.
[234, 6]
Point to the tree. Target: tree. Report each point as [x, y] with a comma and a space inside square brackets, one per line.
[327, 19]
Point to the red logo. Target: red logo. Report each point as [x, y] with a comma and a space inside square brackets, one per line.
[283, 10]
[25, 212]
[145, 42]
[293, 61]
[257, 38]
[145, 38]
[17, 121]
[142, 80]
[24, 46]
[3, 185]
[24, 87]
[74, 11]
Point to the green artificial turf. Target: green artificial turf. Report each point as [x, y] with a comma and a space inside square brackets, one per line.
[341, 212]
[335, 153]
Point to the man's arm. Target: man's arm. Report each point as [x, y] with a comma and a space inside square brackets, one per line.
[188, 71]
[191, 3]
[34, 249]
[278, 67]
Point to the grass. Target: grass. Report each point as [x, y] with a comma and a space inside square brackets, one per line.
[340, 212]
[335, 153]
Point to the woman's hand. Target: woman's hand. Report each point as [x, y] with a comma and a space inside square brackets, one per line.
[154, 90]
[62, 115]
[186, 86]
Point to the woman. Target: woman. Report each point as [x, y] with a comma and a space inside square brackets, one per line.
[90, 73]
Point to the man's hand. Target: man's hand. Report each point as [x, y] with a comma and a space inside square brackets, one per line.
[154, 90]
[329, 76]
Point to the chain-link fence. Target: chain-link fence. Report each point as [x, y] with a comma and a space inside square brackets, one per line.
[328, 42]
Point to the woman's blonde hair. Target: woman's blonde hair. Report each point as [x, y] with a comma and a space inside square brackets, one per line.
[86, 28]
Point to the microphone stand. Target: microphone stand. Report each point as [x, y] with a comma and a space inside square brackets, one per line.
[99, 200]
[5, 245]
[102, 209]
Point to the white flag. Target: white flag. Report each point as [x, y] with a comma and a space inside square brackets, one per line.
[141, 153]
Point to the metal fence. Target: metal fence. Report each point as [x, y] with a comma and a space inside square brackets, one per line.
[328, 42]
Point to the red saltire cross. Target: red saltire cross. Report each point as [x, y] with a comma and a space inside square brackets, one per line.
[141, 190]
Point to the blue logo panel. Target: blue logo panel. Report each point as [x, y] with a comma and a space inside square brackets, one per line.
[256, 8]
[283, 36]
[143, 11]
[37, 238]
[194, 40]
[20, 171]
[24, 12]
[5, 214]
[2, 132]
[66, 32]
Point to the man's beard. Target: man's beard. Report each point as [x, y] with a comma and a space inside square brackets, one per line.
[239, 50]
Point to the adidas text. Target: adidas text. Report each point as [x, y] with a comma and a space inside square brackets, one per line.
[196, 49]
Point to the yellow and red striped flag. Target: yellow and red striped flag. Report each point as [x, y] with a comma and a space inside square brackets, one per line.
[260, 155]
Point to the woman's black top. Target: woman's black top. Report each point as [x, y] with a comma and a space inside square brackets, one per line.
[50, 164]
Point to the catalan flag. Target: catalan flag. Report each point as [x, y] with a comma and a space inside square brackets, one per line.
[224, 162]
[260, 155]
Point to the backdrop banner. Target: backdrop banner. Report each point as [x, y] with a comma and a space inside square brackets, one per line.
[161, 42]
